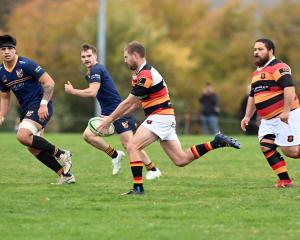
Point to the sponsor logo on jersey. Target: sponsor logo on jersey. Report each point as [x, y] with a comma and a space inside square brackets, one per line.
[95, 76]
[263, 76]
[37, 69]
[29, 113]
[284, 71]
[141, 81]
[125, 124]
[19, 73]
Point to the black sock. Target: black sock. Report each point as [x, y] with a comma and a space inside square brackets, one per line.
[137, 172]
[47, 159]
[58, 152]
[201, 149]
[111, 152]
[42, 144]
[284, 176]
[151, 167]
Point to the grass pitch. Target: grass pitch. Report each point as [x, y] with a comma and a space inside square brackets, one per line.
[227, 194]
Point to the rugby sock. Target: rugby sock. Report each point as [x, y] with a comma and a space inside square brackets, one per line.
[111, 152]
[137, 170]
[150, 167]
[58, 152]
[277, 163]
[48, 160]
[201, 149]
[42, 144]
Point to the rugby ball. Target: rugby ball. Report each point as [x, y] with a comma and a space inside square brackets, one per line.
[93, 125]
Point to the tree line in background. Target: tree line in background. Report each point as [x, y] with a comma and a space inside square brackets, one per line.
[190, 42]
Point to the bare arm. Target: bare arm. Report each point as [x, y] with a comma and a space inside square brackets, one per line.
[91, 91]
[133, 107]
[250, 110]
[289, 94]
[48, 88]
[124, 107]
[47, 85]
[4, 105]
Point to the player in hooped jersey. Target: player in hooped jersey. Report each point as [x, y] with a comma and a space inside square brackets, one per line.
[102, 87]
[273, 96]
[149, 89]
[33, 88]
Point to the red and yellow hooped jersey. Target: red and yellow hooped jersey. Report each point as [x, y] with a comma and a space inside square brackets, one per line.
[267, 87]
[149, 86]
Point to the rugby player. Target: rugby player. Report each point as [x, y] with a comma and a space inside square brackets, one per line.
[102, 87]
[273, 96]
[33, 88]
[150, 89]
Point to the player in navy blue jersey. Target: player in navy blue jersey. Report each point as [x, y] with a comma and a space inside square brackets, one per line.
[103, 88]
[33, 88]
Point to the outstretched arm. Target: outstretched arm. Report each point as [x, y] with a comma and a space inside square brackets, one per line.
[91, 91]
[48, 88]
[126, 106]
[4, 106]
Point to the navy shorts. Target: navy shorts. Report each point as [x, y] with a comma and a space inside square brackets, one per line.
[124, 124]
[32, 113]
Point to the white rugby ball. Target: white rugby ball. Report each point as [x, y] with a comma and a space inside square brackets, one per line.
[93, 125]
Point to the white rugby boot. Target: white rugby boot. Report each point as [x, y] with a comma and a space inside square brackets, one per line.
[69, 178]
[151, 175]
[116, 162]
[66, 161]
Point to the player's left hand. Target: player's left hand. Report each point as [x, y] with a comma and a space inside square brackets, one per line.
[69, 88]
[284, 117]
[104, 124]
[43, 112]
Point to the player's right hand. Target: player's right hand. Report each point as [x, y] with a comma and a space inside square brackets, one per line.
[69, 88]
[244, 123]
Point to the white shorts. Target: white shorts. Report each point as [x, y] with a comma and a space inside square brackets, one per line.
[285, 134]
[164, 126]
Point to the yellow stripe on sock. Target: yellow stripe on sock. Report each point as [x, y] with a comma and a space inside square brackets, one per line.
[280, 170]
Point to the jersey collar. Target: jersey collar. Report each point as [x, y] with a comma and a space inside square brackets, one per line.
[141, 67]
[10, 69]
[260, 68]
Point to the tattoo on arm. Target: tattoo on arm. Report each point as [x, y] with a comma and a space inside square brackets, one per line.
[48, 92]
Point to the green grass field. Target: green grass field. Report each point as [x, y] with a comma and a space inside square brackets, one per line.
[227, 194]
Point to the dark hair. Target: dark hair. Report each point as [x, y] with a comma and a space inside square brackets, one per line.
[268, 43]
[137, 47]
[86, 46]
[7, 40]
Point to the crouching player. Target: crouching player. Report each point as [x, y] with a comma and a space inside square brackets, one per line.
[33, 88]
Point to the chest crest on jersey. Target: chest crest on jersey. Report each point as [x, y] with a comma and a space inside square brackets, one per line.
[263, 76]
[19, 73]
[4, 79]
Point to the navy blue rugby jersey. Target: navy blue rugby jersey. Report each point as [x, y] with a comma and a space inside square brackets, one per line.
[23, 80]
[107, 96]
